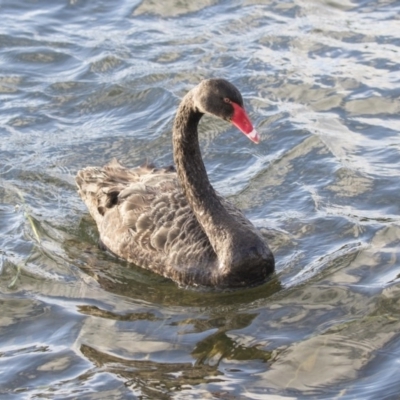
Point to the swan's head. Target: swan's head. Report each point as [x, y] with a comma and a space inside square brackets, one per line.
[220, 98]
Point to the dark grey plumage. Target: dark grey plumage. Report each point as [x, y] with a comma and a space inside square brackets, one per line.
[174, 223]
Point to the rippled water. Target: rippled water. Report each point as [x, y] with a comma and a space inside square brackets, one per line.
[84, 81]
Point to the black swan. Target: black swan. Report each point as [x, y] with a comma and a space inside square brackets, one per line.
[173, 222]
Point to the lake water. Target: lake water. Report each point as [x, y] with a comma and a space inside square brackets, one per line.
[84, 81]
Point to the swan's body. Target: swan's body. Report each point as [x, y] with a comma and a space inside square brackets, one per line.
[174, 223]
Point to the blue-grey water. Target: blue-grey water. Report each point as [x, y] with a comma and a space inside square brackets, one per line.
[84, 81]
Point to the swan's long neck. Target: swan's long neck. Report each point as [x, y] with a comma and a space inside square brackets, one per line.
[215, 220]
[242, 254]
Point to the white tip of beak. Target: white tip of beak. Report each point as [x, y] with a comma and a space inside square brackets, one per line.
[254, 136]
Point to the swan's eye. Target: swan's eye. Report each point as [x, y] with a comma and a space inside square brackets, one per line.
[227, 100]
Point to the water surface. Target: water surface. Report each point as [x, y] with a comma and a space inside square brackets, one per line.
[82, 82]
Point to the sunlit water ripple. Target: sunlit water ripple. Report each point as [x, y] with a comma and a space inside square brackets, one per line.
[83, 82]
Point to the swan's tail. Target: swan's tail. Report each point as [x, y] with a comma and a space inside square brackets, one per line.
[99, 187]
[90, 183]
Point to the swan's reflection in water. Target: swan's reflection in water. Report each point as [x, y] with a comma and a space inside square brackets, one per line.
[173, 337]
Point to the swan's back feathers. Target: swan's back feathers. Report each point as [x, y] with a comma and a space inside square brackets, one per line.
[143, 216]
[112, 185]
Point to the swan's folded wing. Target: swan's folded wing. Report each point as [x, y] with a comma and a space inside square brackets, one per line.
[143, 217]
[154, 214]
[144, 201]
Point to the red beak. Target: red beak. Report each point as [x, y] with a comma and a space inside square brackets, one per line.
[241, 120]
